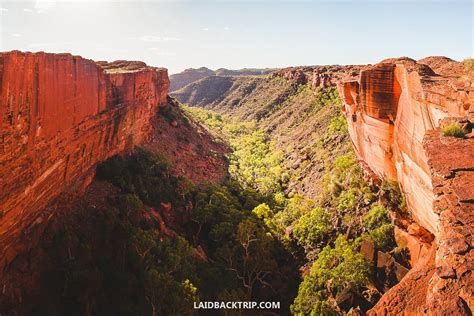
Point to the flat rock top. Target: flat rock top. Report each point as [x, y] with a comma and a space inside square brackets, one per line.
[124, 66]
[118, 66]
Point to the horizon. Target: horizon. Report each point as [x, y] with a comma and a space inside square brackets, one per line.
[179, 35]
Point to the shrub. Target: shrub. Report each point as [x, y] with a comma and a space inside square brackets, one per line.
[326, 97]
[344, 163]
[168, 113]
[377, 222]
[393, 197]
[347, 201]
[338, 125]
[296, 207]
[263, 211]
[453, 130]
[376, 217]
[383, 237]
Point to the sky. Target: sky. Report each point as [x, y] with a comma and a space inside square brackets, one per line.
[238, 34]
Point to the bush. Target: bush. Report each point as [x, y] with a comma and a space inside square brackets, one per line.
[344, 163]
[141, 174]
[326, 97]
[383, 237]
[295, 207]
[254, 161]
[392, 196]
[453, 130]
[377, 222]
[347, 201]
[376, 217]
[338, 125]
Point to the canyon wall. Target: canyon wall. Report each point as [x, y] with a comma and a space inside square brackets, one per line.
[60, 115]
[395, 111]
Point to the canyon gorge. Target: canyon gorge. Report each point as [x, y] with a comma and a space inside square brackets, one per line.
[62, 116]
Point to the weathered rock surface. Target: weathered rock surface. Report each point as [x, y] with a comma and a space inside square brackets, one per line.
[394, 111]
[60, 115]
[319, 76]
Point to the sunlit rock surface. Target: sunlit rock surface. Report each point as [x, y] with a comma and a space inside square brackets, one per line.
[395, 110]
[60, 115]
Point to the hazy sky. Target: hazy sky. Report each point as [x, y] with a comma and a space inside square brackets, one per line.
[237, 34]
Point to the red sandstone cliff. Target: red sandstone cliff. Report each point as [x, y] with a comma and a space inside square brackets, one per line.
[60, 115]
[394, 111]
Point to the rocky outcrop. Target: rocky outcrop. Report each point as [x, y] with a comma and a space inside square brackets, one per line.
[296, 74]
[394, 111]
[60, 115]
[318, 76]
[451, 163]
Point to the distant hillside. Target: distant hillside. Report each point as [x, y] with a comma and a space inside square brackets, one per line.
[190, 75]
[244, 72]
[299, 107]
[179, 80]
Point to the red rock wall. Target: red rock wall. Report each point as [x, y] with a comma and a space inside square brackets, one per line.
[389, 110]
[394, 111]
[60, 115]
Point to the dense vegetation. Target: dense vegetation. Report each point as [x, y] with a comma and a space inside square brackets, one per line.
[254, 163]
[211, 247]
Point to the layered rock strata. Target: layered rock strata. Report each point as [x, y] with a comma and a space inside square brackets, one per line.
[60, 115]
[395, 111]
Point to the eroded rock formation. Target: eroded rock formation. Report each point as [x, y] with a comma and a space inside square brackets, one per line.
[318, 76]
[60, 115]
[395, 110]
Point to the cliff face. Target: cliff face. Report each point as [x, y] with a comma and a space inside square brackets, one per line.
[395, 110]
[60, 115]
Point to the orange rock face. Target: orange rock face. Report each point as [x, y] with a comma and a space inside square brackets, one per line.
[389, 110]
[394, 111]
[60, 115]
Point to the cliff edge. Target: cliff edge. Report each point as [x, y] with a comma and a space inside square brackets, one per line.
[396, 111]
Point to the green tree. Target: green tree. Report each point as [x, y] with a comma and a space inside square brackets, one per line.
[311, 229]
[336, 268]
[252, 260]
